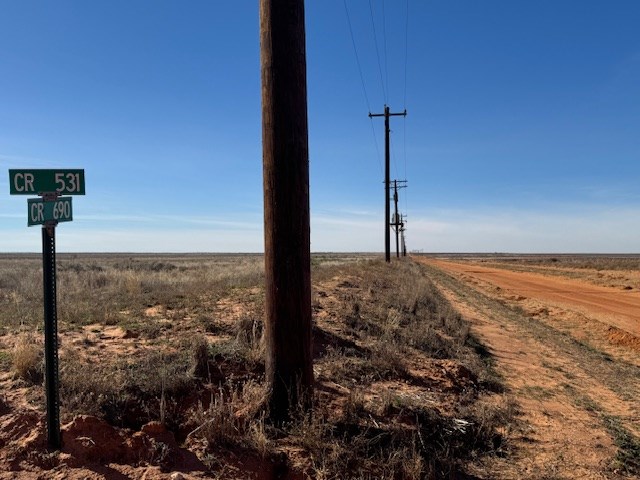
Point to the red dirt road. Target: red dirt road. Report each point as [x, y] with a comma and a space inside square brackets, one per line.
[620, 308]
[566, 392]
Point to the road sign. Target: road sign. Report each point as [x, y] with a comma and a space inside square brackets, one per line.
[48, 211]
[38, 181]
[41, 211]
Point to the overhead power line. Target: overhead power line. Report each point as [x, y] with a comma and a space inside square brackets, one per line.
[355, 50]
[385, 86]
[384, 39]
[404, 122]
[364, 88]
[375, 41]
[406, 52]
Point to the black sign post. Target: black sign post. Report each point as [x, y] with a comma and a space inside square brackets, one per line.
[51, 334]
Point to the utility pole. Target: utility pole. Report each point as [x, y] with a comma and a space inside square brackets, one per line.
[402, 230]
[289, 368]
[387, 219]
[397, 219]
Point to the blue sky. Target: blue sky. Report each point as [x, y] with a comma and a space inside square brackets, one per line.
[522, 132]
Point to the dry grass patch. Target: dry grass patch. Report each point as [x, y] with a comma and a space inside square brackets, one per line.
[27, 359]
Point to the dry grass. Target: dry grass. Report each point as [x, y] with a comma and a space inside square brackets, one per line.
[113, 289]
[595, 262]
[27, 359]
[629, 262]
[232, 418]
[201, 373]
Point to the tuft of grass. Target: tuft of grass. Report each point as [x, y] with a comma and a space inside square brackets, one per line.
[232, 418]
[249, 339]
[27, 360]
[199, 349]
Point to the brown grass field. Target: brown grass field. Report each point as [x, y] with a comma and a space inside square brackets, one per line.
[425, 368]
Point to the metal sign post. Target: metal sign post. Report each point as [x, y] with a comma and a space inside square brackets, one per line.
[47, 211]
[51, 333]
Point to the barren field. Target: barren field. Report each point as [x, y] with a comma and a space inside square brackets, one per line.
[161, 374]
[565, 336]
[479, 368]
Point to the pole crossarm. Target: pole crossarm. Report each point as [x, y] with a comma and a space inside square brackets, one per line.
[397, 114]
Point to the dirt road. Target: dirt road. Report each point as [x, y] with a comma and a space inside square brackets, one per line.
[546, 336]
[620, 308]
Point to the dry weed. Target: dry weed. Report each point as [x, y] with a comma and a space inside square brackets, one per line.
[232, 418]
[27, 359]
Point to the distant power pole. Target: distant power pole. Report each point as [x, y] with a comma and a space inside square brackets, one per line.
[397, 219]
[289, 369]
[402, 230]
[387, 219]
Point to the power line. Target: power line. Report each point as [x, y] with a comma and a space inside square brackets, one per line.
[404, 149]
[406, 52]
[375, 141]
[355, 50]
[404, 123]
[395, 157]
[384, 39]
[375, 41]
[364, 89]
[386, 115]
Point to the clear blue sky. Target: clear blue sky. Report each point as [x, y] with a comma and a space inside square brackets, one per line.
[522, 134]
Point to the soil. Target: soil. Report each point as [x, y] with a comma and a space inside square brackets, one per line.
[568, 352]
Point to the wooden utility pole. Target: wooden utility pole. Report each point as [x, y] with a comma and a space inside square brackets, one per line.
[289, 368]
[387, 215]
[397, 219]
[402, 230]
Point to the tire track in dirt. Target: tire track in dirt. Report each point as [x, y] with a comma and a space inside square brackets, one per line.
[568, 393]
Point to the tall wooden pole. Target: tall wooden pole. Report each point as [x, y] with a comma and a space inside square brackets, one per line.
[289, 368]
[387, 181]
[397, 220]
[397, 223]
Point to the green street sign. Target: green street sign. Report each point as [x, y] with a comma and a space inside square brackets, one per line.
[38, 181]
[41, 211]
